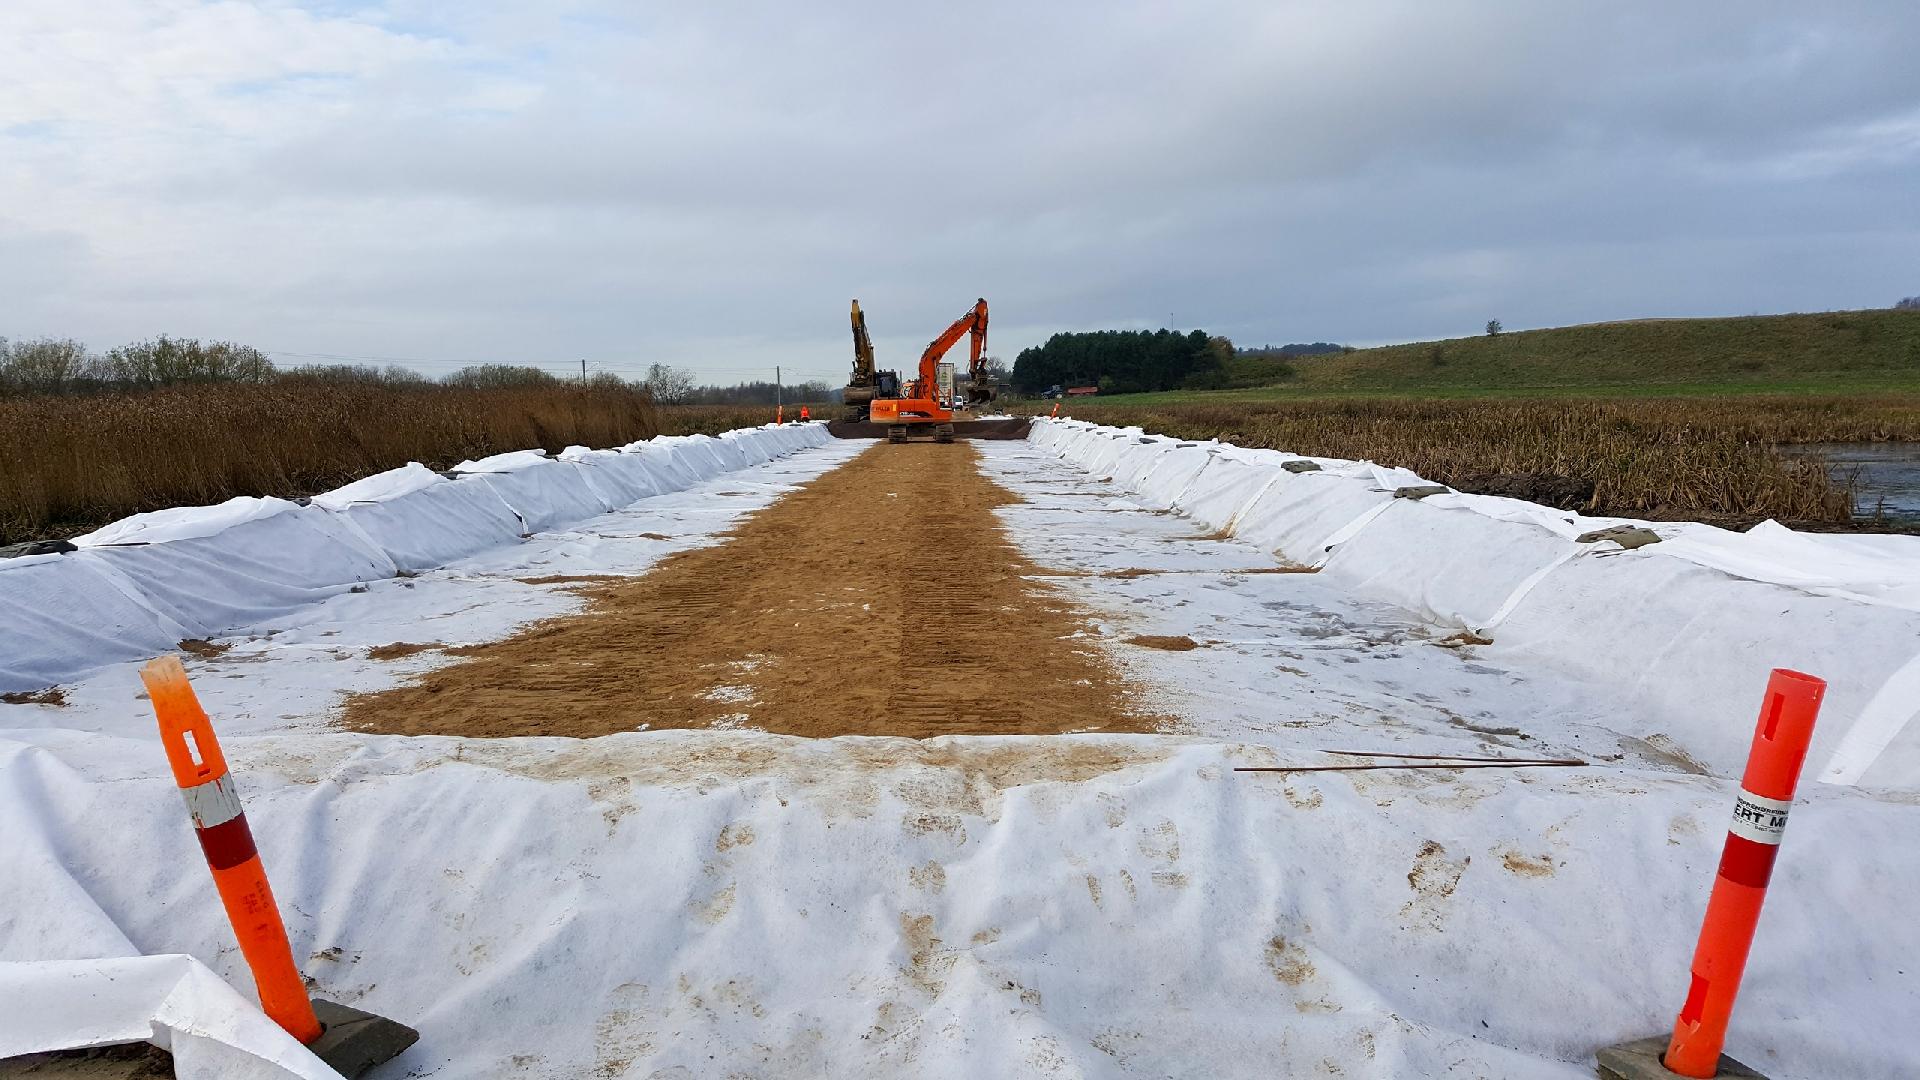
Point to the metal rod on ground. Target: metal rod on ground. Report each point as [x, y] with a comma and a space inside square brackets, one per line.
[1431, 757]
[1567, 764]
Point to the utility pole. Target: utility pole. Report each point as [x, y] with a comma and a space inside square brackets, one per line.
[583, 371]
[778, 395]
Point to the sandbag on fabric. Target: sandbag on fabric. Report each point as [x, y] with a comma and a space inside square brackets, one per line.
[60, 614]
[246, 573]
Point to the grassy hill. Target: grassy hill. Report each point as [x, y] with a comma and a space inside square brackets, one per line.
[1834, 352]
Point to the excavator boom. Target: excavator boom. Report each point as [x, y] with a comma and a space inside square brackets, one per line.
[974, 322]
[862, 348]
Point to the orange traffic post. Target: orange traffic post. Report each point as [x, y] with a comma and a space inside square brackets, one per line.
[1746, 864]
[779, 415]
[1055, 414]
[201, 771]
[804, 414]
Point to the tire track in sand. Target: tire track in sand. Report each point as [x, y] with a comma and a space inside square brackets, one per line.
[882, 598]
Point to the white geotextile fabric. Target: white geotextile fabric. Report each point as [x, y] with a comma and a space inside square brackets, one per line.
[380, 487]
[173, 1001]
[1690, 625]
[435, 525]
[140, 585]
[706, 903]
[246, 573]
[184, 522]
[511, 461]
[57, 611]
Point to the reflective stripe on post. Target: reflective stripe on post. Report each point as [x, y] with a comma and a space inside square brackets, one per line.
[1780, 743]
[218, 821]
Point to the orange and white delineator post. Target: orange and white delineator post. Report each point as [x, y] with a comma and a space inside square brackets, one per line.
[779, 415]
[1055, 414]
[1746, 864]
[201, 771]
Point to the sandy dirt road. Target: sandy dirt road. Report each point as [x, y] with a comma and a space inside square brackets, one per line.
[883, 598]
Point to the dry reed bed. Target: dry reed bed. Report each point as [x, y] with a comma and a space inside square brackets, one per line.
[1711, 459]
[72, 463]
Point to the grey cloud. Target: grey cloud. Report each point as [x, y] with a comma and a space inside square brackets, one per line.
[709, 183]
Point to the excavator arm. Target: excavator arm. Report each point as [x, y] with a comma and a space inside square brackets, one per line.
[862, 349]
[974, 322]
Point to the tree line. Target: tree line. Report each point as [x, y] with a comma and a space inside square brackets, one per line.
[1124, 361]
[65, 366]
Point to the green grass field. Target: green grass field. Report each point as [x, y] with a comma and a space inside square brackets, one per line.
[1845, 352]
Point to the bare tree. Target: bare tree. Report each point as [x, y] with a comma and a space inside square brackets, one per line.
[668, 385]
[498, 376]
[46, 365]
[167, 360]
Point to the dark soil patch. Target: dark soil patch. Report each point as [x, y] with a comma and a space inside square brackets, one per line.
[52, 695]
[1169, 643]
[401, 648]
[131, 1061]
[202, 648]
[1547, 489]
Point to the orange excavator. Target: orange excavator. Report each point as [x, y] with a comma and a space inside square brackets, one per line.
[928, 403]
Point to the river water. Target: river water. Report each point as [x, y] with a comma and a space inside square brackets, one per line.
[1886, 476]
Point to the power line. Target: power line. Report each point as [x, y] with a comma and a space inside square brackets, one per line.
[636, 367]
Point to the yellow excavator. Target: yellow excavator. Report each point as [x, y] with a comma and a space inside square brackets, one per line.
[866, 382]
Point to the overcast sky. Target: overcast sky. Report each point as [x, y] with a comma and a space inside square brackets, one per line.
[707, 184]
